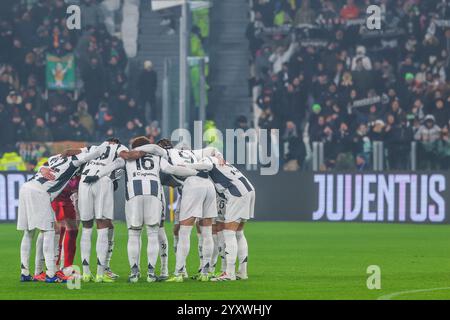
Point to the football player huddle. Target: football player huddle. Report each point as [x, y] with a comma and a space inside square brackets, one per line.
[79, 185]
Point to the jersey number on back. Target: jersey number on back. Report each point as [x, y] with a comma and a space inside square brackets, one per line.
[145, 163]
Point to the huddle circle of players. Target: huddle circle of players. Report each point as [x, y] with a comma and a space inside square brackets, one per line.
[79, 185]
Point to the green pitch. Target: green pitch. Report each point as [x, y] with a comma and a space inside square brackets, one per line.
[286, 261]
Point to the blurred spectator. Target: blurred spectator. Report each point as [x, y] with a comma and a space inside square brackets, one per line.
[148, 83]
[427, 136]
[85, 118]
[129, 132]
[78, 132]
[294, 151]
[41, 132]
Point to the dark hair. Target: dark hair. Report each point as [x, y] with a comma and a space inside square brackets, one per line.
[165, 144]
[114, 140]
[139, 141]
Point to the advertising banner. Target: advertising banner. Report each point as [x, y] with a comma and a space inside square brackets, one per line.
[397, 197]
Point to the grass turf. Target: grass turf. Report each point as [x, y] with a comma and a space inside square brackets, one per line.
[287, 260]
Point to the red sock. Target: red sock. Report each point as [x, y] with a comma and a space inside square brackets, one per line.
[61, 237]
[70, 246]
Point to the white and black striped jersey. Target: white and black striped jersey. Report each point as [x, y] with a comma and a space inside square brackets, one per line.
[228, 177]
[64, 168]
[181, 157]
[93, 167]
[142, 176]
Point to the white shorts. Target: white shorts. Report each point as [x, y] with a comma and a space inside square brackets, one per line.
[35, 209]
[143, 210]
[239, 208]
[199, 199]
[96, 200]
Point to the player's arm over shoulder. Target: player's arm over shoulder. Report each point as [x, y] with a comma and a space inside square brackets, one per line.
[176, 170]
[88, 154]
[131, 154]
[153, 149]
[205, 164]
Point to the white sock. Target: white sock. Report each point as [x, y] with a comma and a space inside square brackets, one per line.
[49, 252]
[102, 250]
[175, 243]
[183, 247]
[140, 246]
[110, 247]
[221, 245]
[39, 259]
[207, 248]
[200, 251]
[85, 247]
[57, 237]
[242, 252]
[215, 253]
[230, 251]
[134, 249]
[25, 251]
[164, 252]
[61, 258]
[152, 247]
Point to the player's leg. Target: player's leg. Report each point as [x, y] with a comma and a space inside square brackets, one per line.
[247, 212]
[86, 209]
[199, 249]
[238, 209]
[221, 247]
[44, 220]
[135, 221]
[85, 247]
[231, 246]
[58, 238]
[152, 220]
[176, 233]
[59, 215]
[102, 247]
[134, 249]
[23, 224]
[70, 242]
[25, 252]
[152, 251]
[49, 252]
[207, 246]
[163, 251]
[209, 212]
[39, 273]
[191, 208]
[111, 242]
[183, 248]
[215, 254]
[104, 213]
[242, 252]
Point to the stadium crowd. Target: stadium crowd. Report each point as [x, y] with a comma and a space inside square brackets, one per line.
[104, 105]
[319, 75]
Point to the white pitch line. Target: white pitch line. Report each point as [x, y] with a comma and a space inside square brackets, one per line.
[396, 294]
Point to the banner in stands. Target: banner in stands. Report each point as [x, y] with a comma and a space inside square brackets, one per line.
[60, 72]
[411, 197]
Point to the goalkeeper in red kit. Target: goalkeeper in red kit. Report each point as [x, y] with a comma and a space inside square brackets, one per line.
[67, 221]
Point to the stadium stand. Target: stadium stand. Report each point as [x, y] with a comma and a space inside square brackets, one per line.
[99, 106]
[316, 73]
[319, 75]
